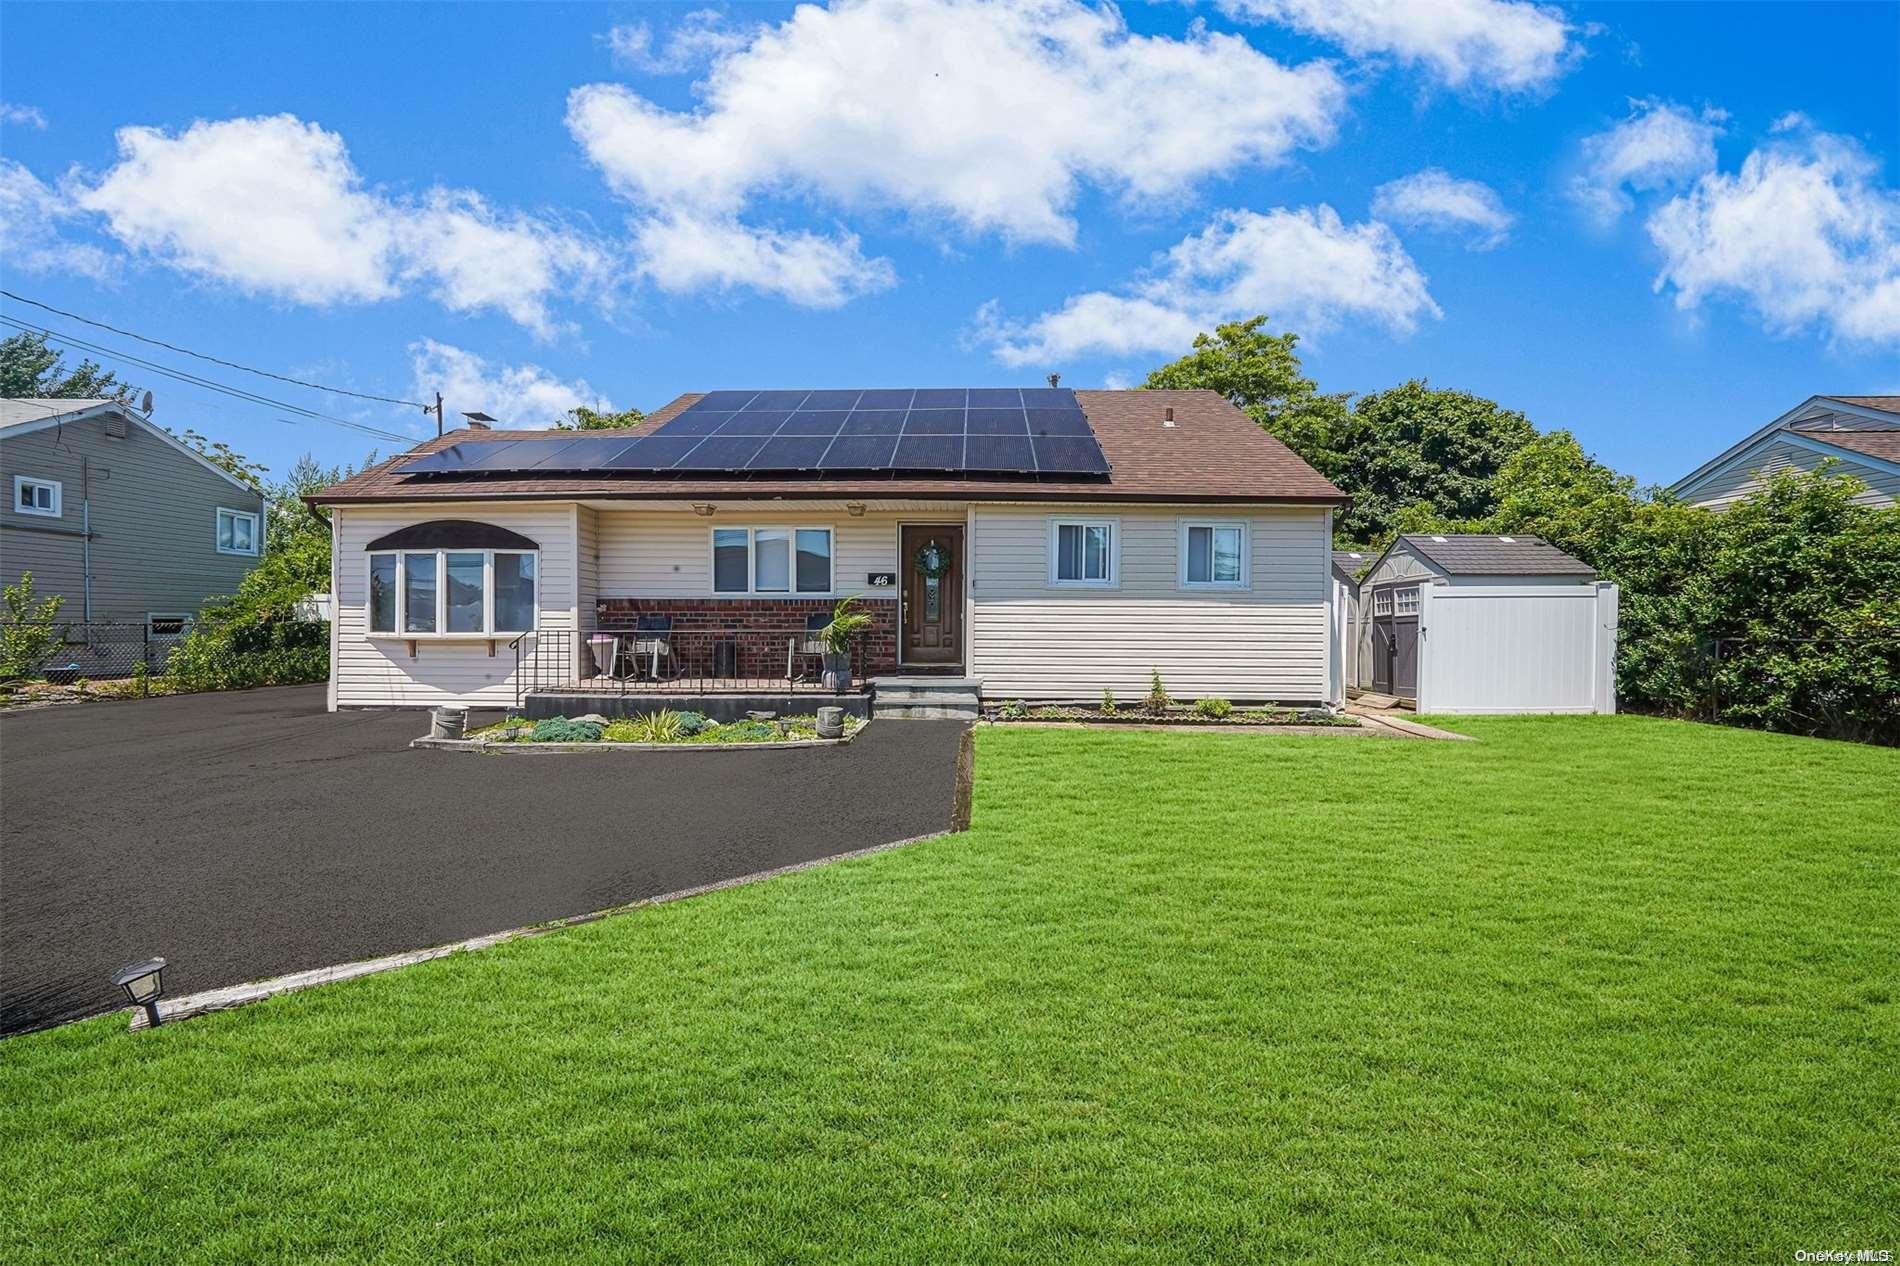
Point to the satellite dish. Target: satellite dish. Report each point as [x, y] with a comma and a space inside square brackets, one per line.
[147, 406]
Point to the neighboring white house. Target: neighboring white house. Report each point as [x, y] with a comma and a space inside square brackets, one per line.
[1481, 623]
[1860, 434]
[486, 567]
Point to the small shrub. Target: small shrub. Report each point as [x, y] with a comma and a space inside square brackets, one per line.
[1108, 702]
[1013, 710]
[1157, 700]
[562, 730]
[691, 723]
[27, 635]
[657, 727]
[1213, 709]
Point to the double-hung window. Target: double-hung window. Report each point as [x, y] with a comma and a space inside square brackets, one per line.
[426, 593]
[36, 496]
[765, 560]
[1082, 552]
[237, 531]
[1213, 555]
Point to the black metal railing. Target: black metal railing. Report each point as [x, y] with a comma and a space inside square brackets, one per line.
[68, 651]
[690, 661]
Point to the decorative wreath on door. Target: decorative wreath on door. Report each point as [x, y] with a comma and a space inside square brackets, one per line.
[932, 561]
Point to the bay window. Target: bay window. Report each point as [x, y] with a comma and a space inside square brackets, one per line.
[766, 560]
[1213, 555]
[469, 593]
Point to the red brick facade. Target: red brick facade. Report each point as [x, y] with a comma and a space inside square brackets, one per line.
[759, 627]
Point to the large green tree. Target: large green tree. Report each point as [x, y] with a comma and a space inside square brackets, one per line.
[28, 367]
[1260, 374]
[586, 419]
[1417, 446]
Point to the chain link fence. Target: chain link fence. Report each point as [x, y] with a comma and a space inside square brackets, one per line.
[67, 651]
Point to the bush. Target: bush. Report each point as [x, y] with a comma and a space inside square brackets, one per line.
[1108, 702]
[255, 637]
[562, 730]
[27, 635]
[1213, 709]
[691, 723]
[657, 727]
[1013, 710]
[1157, 700]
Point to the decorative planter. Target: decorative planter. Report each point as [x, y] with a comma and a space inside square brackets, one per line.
[837, 676]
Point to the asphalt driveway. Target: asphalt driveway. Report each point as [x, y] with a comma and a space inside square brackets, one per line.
[247, 835]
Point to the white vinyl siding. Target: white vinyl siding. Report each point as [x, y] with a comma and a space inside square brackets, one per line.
[379, 671]
[668, 554]
[1032, 639]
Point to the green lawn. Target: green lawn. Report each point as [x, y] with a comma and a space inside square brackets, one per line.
[1594, 988]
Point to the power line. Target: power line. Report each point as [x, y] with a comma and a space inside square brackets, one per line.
[216, 360]
[206, 383]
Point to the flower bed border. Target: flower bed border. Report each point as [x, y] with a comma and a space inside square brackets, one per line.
[1135, 717]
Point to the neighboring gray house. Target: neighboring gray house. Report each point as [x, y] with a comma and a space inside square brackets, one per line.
[1860, 433]
[118, 517]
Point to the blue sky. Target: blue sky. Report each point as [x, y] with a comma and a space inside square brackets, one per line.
[1658, 225]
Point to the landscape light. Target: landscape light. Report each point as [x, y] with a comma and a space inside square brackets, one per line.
[143, 983]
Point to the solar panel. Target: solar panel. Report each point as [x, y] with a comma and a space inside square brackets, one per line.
[995, 430]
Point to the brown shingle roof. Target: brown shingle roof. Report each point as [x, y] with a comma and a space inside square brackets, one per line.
[1887, 404]
[1873, 443]
[1477, 555]
[1214, 452]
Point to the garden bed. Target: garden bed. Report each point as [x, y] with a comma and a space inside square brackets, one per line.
[659, 731]
[1187, 715]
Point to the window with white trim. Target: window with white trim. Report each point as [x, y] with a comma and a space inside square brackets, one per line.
[237, 531]
[36, 496]
[1408, 601]
[452, 592]
[1082, 552]
[767, 560]
[1214, 555]
[1382, 602]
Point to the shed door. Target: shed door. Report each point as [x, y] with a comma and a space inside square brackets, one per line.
[1395, 640]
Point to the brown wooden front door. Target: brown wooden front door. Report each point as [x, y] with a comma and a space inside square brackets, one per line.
[933, 607]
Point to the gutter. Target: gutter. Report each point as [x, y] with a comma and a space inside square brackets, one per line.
[689, 493]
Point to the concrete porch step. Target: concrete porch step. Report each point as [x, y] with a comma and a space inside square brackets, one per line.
[925, 697]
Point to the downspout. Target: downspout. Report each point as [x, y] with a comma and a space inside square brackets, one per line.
[85, 537]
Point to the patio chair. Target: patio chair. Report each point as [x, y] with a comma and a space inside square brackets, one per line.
[810, 645]
[650, 646]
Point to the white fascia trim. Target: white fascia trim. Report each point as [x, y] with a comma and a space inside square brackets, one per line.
[1687, 488]
[1720, 461]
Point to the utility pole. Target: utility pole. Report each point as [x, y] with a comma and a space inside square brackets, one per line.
[438, 415]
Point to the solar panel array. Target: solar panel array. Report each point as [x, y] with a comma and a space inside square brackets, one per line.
[979, 430]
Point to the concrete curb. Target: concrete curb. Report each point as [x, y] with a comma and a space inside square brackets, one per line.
[231, 996]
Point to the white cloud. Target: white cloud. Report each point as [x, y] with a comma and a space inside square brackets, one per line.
[991, 116]
[683, 252]
[31, 215]
[1804, 234]
[515, 395]
[22, 115]
[1434, 198]
[699, 37]
[273, 205]
[1661, 145]
[1306, 268]
[1507, 45]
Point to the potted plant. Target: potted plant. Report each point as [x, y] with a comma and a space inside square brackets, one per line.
[845, 625]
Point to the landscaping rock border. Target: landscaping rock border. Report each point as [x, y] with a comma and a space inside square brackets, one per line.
[605, 745]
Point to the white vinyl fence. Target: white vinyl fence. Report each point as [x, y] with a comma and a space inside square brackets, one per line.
[1512, 648]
